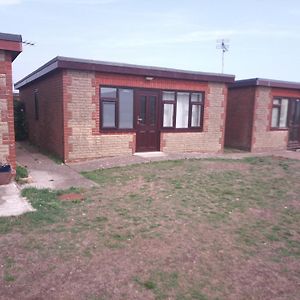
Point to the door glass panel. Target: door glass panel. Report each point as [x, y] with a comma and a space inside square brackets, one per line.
[275, 116]
[276, 101]
[108, 114]
[168, 115]
[125, 108]
[142, 114]
[107, 92]
[196, 115]
[283, 113]
[182, 113]
[152, 110]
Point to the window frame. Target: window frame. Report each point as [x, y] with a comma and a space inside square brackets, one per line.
[115, 100]
[191, 103]
[277, 128]
[160, 116]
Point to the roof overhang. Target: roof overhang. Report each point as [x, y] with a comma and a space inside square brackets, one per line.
[120, 68]
[265, 83]
[11, 43]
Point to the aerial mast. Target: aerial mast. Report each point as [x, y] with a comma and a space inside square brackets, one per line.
[223, 44]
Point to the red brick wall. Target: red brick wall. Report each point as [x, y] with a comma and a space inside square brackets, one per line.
[211, 139]
[277, 92]
[47, 132]
[239, 119]
[83, 140]
[7, 134]
[265, 139]
[80, 123]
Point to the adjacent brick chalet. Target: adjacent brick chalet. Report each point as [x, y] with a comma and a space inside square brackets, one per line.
[83, 109]
[10, 48]
[263, 115]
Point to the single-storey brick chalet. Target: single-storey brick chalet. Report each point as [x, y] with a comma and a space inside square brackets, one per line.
[263, 115]
[85, 109]
[10, 48]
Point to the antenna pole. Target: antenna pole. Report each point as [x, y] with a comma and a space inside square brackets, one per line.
[223, 52]
[224, 46]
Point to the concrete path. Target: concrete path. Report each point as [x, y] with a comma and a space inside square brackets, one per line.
[110, 162]
[46, 173]
[11, 201]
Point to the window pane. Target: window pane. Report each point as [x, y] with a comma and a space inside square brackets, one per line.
[196, 97]
[283, 113]
[125, 108]
[108, 114]
[196, 115]
[168, 115]
[168, 96]
[152, 104]
[108, 92]
[142, 112]
[182, 113]
[275, 116]
[276, 101]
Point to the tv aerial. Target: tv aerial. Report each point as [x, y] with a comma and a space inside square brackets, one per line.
[223, 44]
[28, 43]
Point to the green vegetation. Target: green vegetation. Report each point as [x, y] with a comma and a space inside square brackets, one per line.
[48, 210]
[21, 172]
[21, 131]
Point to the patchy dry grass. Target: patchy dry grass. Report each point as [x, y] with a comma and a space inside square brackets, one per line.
[188, 229]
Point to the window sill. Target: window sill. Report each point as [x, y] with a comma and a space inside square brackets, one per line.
[279, 129]
[176, 130]
[116, 131]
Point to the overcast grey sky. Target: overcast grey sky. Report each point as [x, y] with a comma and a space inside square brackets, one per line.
[264, 35]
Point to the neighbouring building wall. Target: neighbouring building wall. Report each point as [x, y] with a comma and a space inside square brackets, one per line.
[47, 131]
[239, 117]
[7, 134]
[211, 139]
[265, 139]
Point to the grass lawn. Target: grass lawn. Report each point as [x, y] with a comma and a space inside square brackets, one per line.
[188, 229]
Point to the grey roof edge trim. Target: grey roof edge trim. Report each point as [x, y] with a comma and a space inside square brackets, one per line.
[45, 69]
[41, 71]
[266, 83]
[121, 68]
[150, 68]
[11, 37]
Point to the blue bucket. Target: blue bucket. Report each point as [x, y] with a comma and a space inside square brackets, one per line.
[5, 168]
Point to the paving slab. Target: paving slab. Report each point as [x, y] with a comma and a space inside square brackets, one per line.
[46, 173]
[11, 201]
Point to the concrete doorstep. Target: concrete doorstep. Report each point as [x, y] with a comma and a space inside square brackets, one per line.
[11, 201]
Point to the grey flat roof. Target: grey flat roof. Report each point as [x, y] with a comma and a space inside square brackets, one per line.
[60, 62]
[10, 37]
[266, 83]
